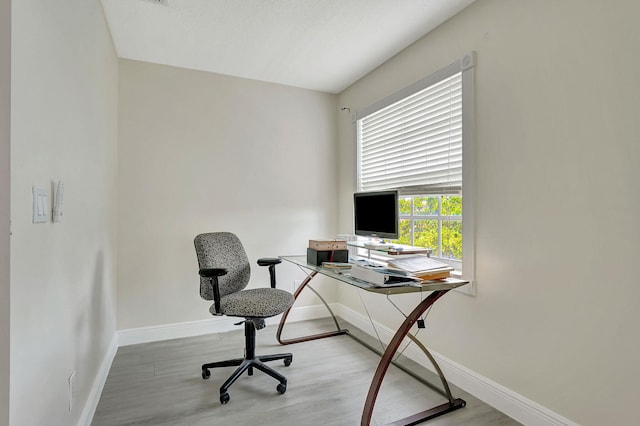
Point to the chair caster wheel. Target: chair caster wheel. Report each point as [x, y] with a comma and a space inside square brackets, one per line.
[224, 398]
[287, 362]
[206, 373]
[281, 388]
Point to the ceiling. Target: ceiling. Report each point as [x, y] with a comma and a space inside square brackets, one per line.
[323, 45]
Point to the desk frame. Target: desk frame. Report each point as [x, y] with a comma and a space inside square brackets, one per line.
[438, 289]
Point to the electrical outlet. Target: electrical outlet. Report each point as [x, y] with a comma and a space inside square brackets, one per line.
[72, 385]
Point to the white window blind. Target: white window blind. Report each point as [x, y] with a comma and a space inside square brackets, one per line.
[415, 145]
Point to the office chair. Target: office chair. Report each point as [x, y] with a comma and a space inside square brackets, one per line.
[224, 274]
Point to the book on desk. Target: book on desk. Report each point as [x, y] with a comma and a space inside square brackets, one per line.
[336, 265]
[423, 267]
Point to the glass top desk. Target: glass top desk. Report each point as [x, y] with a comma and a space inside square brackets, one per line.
[436, 289]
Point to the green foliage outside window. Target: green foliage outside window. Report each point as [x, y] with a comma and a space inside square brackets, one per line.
[426, 206]
[405, 232]
[452, 239]
[425, 233]
[446, 213]
[452, 205]
[405, 206]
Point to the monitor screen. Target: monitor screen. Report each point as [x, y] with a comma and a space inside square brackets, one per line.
[376, 214]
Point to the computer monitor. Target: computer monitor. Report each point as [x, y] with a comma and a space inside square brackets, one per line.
[376, 214]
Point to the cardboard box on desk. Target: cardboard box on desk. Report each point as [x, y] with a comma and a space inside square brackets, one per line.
[316, 257]
[323, 245]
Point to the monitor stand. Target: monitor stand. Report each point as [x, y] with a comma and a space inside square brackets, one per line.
[375, 243]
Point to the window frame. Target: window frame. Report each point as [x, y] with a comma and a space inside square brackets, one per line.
[466, 66]
[439, 218]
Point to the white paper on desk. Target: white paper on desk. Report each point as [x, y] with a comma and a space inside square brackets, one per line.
[416, 264]
[381, 277]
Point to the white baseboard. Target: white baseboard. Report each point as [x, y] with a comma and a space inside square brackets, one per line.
[134, 336]
[511, 403]
[98, 384]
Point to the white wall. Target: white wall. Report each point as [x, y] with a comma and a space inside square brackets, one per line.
[201, 152]
[5, 186]
[64, 126]
[557, 100]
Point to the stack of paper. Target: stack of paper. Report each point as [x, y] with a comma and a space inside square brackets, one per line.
[382, 277]
[423, 267]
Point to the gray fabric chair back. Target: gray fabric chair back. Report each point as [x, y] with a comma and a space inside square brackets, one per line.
[222, 250]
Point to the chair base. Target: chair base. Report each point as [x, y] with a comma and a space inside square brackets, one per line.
[248, 363]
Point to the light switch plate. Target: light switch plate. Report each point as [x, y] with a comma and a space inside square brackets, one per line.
[40, 205]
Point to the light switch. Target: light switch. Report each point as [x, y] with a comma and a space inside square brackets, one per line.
[40, 205]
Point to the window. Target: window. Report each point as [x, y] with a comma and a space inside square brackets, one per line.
[433, 221]
[419, 141]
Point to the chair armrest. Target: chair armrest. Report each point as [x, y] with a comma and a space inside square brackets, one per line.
[271, 262]
[213, 274]
[268, 261]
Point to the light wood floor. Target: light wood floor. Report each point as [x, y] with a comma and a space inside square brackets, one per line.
[160, 384]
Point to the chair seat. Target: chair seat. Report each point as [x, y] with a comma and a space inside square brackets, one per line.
[255, 303]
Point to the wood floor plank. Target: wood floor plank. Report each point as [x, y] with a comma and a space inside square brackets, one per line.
[160, 384]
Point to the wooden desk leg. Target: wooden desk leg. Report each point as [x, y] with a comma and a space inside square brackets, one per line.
[283, 320]
[386, 360]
